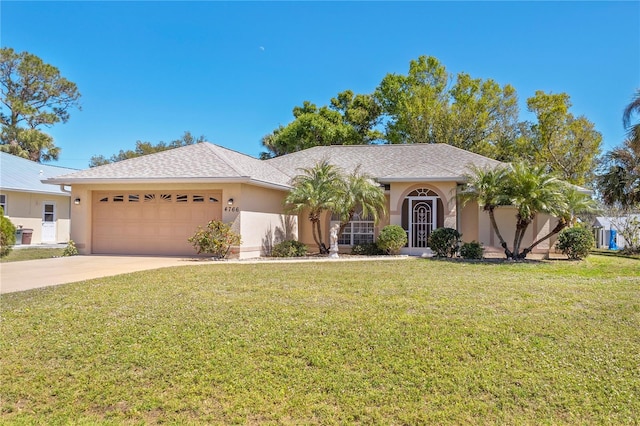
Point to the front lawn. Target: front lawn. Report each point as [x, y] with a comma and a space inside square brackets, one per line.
[377, 342]
[18, 255]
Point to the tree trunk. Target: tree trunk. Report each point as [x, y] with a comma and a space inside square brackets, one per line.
[321, 244]
[521, 228]
[503, 244]
[559, 227]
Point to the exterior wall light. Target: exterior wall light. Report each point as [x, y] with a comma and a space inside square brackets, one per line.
[230, 201]
[77, 201]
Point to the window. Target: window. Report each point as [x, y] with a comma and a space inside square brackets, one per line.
[182, 198]
[3, 203]
[134, 198]
[359, 231]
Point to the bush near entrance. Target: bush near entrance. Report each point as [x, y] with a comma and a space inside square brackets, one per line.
[392, 238]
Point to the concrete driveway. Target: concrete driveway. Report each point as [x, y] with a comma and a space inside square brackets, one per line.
[20, 276]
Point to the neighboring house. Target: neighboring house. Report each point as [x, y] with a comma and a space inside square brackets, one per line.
[41, 210]
[602, 227]
[152, 204]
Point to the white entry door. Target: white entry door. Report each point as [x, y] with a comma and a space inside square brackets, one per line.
[49, 222]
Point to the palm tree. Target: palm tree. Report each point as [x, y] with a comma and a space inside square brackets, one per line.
[632, 108]
[620, 183]
[575, 203]
[485, 186]
[359, 190]
[531, 190]
[316, 189]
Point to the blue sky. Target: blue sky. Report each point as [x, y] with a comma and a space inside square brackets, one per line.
[233, 71]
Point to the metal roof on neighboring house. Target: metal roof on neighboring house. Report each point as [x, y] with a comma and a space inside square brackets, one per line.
[22, 175]
[609, 222]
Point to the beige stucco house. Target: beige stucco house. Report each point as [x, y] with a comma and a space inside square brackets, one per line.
[152, 204]
[40, 212]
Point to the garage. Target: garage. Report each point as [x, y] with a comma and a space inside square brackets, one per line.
[150, 222]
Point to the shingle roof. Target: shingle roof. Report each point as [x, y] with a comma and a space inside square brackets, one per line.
[206, 162]
[389, 163]
[19, 174]
[202, 162]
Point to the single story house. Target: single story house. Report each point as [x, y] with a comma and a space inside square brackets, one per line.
[603, 227]
[152, 204]
[40, 212]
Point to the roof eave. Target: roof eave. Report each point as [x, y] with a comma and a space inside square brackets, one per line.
[421, 179]
[31, 191]
[125, 181]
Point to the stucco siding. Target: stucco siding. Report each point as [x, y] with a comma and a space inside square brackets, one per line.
[260, 231]
[26, 210]
[469, 223]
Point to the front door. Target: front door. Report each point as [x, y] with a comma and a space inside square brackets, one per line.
[49, 222]
[422, 220]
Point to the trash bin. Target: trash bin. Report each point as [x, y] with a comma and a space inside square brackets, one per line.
[18, 236]
[26, 236]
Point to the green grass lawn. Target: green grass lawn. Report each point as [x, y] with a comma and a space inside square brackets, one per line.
[32, 254]
[378, 342]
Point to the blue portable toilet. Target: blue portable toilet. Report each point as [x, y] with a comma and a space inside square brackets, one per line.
[613, 234]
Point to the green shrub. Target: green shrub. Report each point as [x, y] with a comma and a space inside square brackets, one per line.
[70, 249]
[392, 238]
[472, 250]
[367, 249]
[575, 242]
[445, 242]
[7, 234]
[289, 248]
[216, 239]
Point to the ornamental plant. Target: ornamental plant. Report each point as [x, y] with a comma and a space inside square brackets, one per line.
[472, 250]
[392, 238]
[289, 248]
[70, 249]
[575, 242]
[445, 242]
[7, 234]
[216, 239]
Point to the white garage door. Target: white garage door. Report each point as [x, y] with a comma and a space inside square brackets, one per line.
[151, 222]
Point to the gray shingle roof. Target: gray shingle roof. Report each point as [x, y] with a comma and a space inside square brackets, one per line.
[19, 174]
[389, 163]
[206, 162]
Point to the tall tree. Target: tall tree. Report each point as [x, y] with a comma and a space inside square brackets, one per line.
[315, 190]
[427, 106]
[145, 148]
[633, 108]
[349, 120]
[33, 94]
[569, 146]
[619, 181]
